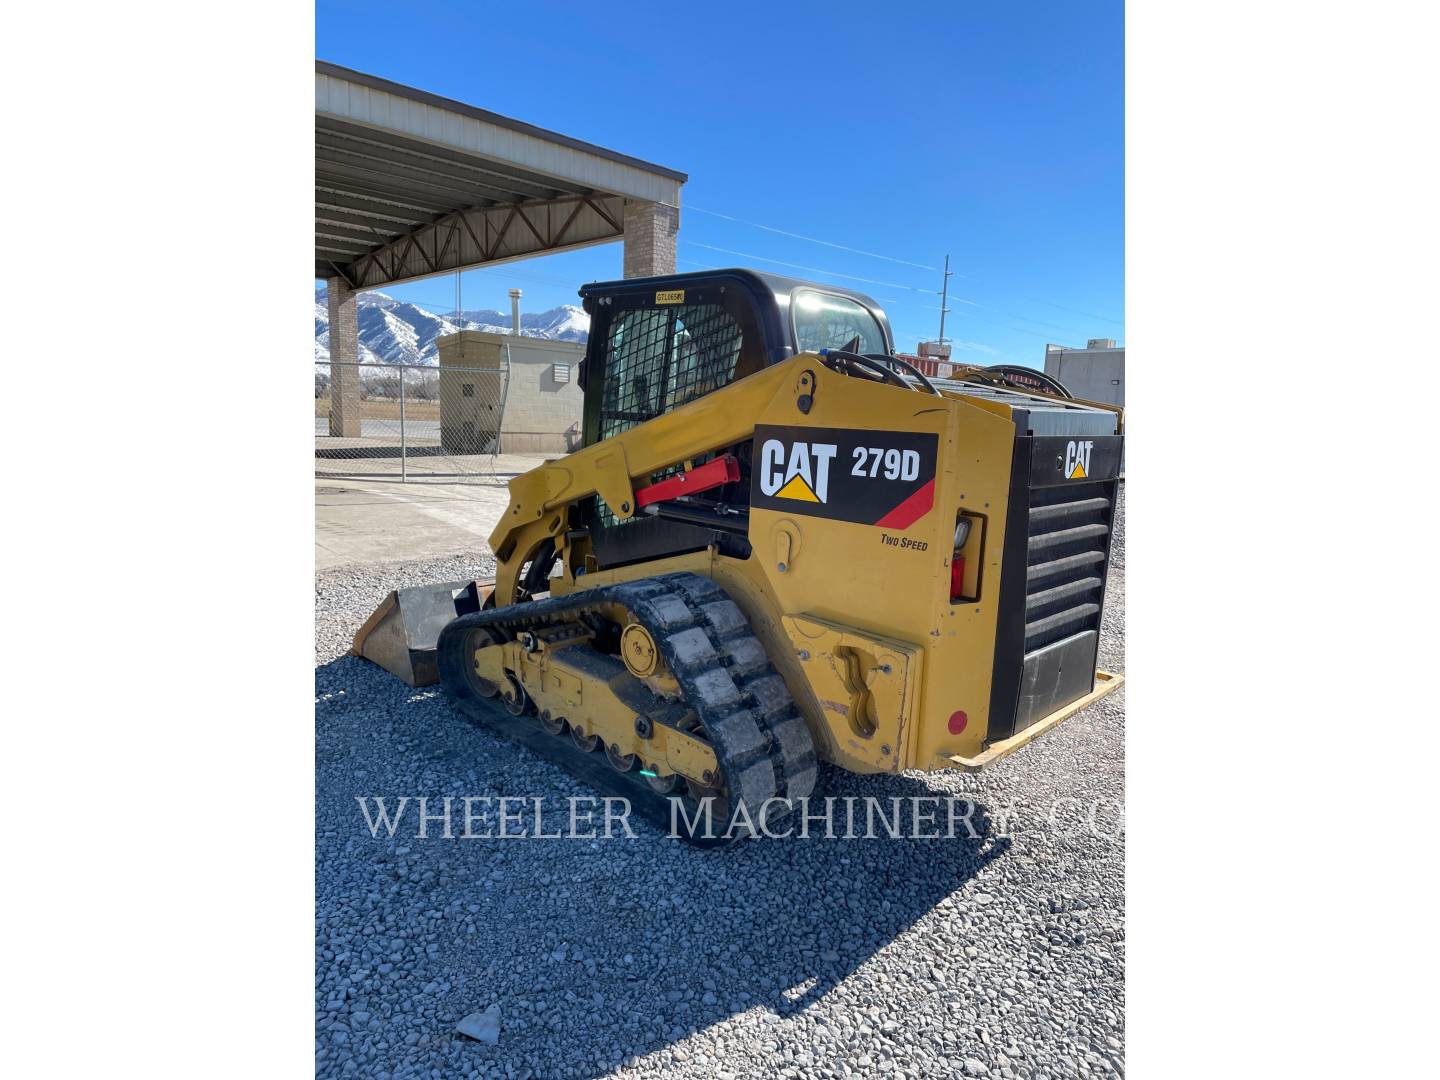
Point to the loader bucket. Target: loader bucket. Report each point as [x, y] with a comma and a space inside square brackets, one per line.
[402, 633]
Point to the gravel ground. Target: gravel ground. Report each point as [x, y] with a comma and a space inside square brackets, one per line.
[999, 957]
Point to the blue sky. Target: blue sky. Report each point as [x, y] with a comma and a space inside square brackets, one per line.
[992, 131]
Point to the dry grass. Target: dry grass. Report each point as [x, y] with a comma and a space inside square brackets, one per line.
[384, 409]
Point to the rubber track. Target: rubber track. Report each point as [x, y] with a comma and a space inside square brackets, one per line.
[792, 752]
[758, 737]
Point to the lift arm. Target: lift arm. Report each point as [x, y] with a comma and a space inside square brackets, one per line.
[610, 468]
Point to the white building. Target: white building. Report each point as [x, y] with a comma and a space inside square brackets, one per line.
[542, 403]
[1094, 373]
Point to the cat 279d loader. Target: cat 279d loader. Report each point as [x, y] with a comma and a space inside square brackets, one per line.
[779, 545]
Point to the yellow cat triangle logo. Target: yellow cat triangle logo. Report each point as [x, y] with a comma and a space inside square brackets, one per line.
[797, 489]
[1078, 473]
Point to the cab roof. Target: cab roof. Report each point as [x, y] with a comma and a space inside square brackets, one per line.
[772, 294]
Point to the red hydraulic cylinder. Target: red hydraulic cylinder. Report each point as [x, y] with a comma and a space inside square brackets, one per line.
[723, 470]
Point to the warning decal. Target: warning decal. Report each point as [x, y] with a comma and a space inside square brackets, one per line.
[884, 478]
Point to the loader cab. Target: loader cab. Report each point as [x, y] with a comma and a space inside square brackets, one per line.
[661, 342]
[658, 343]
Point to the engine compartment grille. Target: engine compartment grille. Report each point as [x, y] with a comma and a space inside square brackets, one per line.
[1053, 572]
[1068, 543]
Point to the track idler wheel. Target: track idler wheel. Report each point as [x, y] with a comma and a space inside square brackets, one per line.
[455, 659]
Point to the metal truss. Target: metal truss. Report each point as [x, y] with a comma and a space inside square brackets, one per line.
[350, 247]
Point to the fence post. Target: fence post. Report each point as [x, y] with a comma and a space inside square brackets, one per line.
[403, 473]
[504, 394]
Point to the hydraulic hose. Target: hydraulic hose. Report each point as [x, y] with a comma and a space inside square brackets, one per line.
[868, 364]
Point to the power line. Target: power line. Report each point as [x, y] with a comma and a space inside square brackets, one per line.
[991, 322]
[978, 348]
[891, 285]
[999, 311]
[898, 333]
[808, 239]
[809, 269]
[1017, 329]
[893, 259]
[713, 266]
[1012, 315]
[908, 303]
[1075, 311]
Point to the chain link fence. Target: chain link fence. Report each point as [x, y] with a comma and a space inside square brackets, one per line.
[408, 422]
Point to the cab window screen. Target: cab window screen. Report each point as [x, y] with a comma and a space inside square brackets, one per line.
[659, 358]
[823, 321]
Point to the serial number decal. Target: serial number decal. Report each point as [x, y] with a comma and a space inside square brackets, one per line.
[673, 296]
[884, 478]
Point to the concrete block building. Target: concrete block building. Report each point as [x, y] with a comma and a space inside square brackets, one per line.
[472, 393]
[542, 401]
[1094, 373]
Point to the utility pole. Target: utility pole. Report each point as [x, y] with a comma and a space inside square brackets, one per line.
[944, 296]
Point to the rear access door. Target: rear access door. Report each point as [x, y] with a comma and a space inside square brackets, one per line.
[1055, 564]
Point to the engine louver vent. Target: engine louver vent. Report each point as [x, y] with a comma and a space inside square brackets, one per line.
[1069, 536]
[1052, 589]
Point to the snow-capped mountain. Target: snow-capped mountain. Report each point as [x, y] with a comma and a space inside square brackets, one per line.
[564, 323]
[397, 332]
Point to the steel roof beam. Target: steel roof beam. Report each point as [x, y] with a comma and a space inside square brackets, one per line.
[501, 170]
[407, 172]
[376, 205]
[379, 174]
[405, 179]
[367, 236]
[386, 225]
[342, 247]
[519, 186]
[427, 206]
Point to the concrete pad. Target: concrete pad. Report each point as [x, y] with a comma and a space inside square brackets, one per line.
[370, 520]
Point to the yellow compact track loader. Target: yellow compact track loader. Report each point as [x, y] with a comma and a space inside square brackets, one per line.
[780, 545]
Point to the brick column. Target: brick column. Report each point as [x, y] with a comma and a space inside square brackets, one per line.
[344, 352]
[650, 230]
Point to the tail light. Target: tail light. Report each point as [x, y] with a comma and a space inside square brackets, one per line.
[965, 558]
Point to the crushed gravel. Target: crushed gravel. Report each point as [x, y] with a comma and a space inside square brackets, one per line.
[998, 957]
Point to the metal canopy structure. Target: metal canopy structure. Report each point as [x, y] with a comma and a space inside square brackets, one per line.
[409, 184]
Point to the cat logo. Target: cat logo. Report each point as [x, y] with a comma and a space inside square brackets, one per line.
[803, 474]
[864, 476]
[1077, 459]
